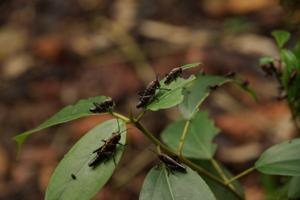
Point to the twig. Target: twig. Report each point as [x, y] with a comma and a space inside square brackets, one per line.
[218, 168]
[183, 136]
[247, 171]
[169, 151]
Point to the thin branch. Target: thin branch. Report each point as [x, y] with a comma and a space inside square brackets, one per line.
[247, 171]
[220, 171]
[184, 160]
[120, 116]
[183, 136]
[169, 151]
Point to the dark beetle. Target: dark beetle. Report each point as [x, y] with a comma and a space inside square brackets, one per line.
[105, 106]
[171, 163]
[173, 75]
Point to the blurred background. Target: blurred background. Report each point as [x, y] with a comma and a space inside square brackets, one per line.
[54, 52]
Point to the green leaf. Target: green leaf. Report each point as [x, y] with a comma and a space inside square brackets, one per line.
[266, 60]
[289, 58]
[170, 95]
[294, 188]
[281, 37]
[88, 180]
[197, 92]
[281, 159]
[159, 184]
[191, 65]
[219, 191]
[69, 113]
[198, 143]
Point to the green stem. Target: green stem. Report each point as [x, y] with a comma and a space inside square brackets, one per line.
[169, 151]
[184, 160]
[120, 116]
[183, 136]
[247, 171]
[139, 117]
[218, 168]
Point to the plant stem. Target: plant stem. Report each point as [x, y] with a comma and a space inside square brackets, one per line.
[247, 171]
[169, 151]
[218, 168]
[120, 116]
[183, 136]
[139, 117]
[186, 161]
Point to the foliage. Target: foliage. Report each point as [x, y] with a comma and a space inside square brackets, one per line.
[190, 170]
[283, 159]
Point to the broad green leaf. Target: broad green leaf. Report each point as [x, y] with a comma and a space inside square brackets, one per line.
[191, 65]
[294, 188]
[159, 184]
[197, 92]
[281, 37]
[281, 159]
[69, 113]
[88, 180]
[170, 95]
[198, 143]
[219, 191]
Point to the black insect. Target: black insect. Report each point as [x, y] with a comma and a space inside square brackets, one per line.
[230, 75]
[214, 87]
[148, 94]
[173, 75]
[269, 68]
[107, 150]
[172, 164]
[73, 176]
[105, 106]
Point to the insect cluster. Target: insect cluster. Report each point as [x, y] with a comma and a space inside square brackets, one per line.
[148, 95]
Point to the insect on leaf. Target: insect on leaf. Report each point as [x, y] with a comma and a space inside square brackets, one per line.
[160, 184]
[69, 113]
[170, 95]
[197, 91]
[73, 178]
